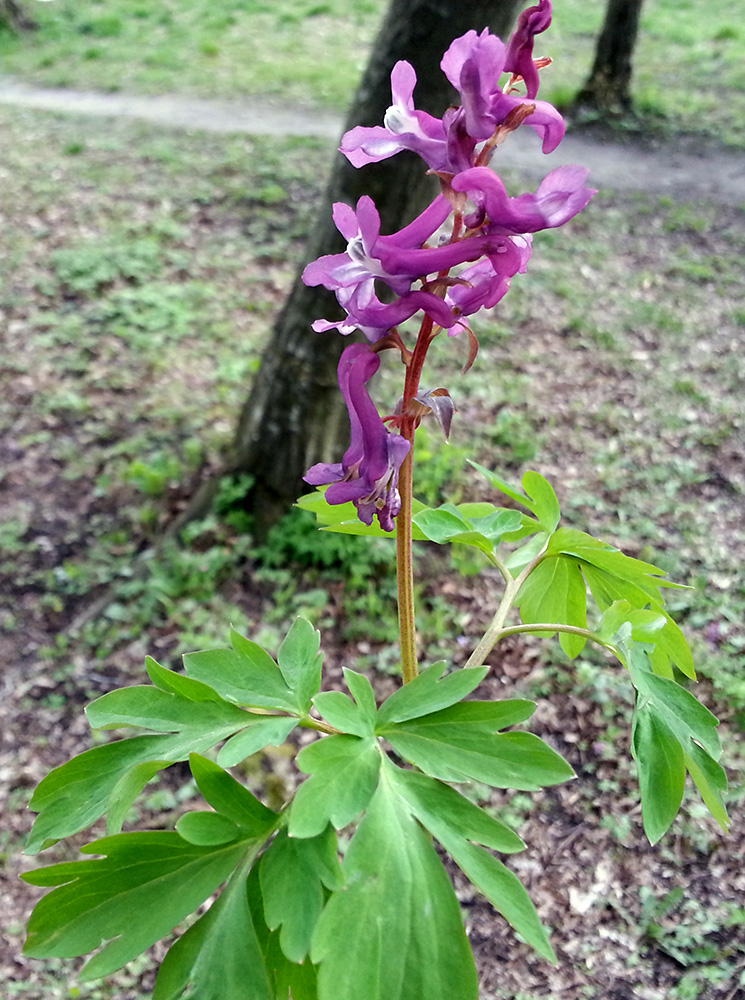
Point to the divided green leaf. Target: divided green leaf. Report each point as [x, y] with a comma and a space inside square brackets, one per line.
[463, 743]
[343, 517]
[300, 661]
[110, 777]
[673, 732]
[356, 717]
[145, 884]
[539, 497]
[456, 823]
[245, 675]
[484, 531]
[429, 692]
[344, 775]
[219, 957]
[293, 873]
[395, 932]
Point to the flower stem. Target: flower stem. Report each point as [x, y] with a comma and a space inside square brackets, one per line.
[405, 568]
[404, 553]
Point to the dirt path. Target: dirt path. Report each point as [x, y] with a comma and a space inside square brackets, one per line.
[717, 176]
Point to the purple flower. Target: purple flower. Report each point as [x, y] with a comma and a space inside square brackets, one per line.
[365, 311]
[403, 128]
[560, 196]
[397, 260]
[484, 284]
[368, 473]
[519, 59]
[474, 64]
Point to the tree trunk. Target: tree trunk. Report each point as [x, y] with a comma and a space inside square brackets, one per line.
[608, 88]
[294, 416]
[15, 17]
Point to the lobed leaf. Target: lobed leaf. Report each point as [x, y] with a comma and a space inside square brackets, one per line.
[539, 497]
[293, 873]
[290, 981]
[555, 591]
[232, 799]
[429, 692]
[245, 675]
[110, 777]
[673, 732]
[439, 807]
[395, 932]
[449, 523]
[344, 774]
[300, 662]
[462, 743]
[145, 884]
[356, 717]
[218, 957]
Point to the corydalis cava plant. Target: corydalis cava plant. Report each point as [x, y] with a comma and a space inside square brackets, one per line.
[295, 918]
[473, 222]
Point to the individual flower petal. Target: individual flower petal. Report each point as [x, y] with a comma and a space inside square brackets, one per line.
[560, 196]
[519, 58]
[403, 128]
[473, 64]
[368, 473]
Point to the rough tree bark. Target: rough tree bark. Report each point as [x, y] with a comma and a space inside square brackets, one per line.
[608, 87]
[294, 415]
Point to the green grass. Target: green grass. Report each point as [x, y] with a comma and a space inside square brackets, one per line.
[233, 50]
[688, 68]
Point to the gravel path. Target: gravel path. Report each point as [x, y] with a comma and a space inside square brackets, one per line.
[716, 176]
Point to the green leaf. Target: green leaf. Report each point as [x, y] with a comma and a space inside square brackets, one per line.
[503, 889]
[356, 717]
[545, 503]
[207, 829]
[262, 731]
[429, 693]
[556, 592]
[539, 497]
[292, 874]
[661, 772]
[673, 732]
[455, 821]
[610, 574]
[232, 799]
[219, 957]
[395, 932]
[438, 806]
[621, 621]
[145, 884]
[711, 781]
[300, 661]
[173, 683]
[126, 790]
[290, 981]
[150, 708]
[245, 674]
[449, 523]
[343, 517]
[462, 743]
[344, 774]
[74, 795]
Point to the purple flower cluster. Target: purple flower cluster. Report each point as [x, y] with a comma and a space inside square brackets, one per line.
[491, 233]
